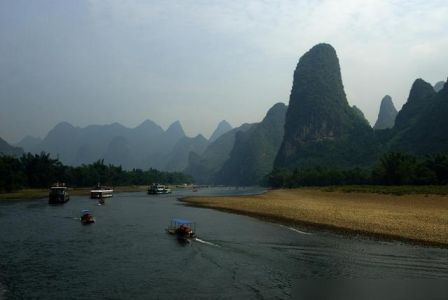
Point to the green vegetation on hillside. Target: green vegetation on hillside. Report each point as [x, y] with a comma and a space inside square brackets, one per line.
[320, 125]
[41, 171]
[393, 169]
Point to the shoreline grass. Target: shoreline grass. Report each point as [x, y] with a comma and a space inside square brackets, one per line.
[29, 194]
[417, 218]
[390, 190]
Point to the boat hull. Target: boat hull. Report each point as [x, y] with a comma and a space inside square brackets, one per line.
[58, 199]
[100, 194]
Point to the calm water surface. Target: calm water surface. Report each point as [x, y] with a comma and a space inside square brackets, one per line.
[45, 253]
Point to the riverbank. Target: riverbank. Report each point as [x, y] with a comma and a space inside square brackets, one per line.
[419, 218]
[42, 193]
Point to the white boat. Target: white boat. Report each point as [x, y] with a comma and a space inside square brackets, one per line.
[158, 189]
[100, 192]
[58, 194]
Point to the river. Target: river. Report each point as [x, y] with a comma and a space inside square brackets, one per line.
[45, 252]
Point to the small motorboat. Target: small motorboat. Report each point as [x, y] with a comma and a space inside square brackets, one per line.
[87, 217]
[184, 230]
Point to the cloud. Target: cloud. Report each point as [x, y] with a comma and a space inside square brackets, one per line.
[227, 58]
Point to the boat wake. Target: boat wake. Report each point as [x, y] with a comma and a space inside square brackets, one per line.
[296, 230]
[205, 242]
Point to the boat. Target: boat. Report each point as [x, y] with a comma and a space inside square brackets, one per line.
[58, 194]
[157, 188]
[100, 192]
[87, 217]
[184, 230]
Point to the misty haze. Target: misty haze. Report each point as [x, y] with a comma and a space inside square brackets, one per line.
[216, 150]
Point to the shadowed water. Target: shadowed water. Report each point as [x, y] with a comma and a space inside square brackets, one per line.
[45, 253]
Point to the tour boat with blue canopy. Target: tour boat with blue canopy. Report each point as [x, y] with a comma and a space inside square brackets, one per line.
[184, 230]
[87, 217]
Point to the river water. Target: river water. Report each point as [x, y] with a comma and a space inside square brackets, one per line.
[45, 253]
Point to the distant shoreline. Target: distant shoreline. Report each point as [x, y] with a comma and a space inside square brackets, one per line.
[29, 194]
[416, 218]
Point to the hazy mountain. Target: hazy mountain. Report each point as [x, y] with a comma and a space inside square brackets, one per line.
[7, 149]
[421, 126]
[386, 115]
[144, 146]
[119, 153]
[439, 86]
[178, 158]
[204, 167]
[222, 128]
[320, 126]
[29, 143]
[62, 142]
[174, 133]
[254, 150]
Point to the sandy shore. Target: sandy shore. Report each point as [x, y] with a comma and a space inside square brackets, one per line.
[419, 218]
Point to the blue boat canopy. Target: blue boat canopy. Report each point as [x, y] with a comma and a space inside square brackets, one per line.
[181, 221]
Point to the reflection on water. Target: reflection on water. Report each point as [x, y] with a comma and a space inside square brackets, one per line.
[46, 253]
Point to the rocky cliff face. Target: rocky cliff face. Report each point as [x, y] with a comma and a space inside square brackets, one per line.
[320, 126]
[386, 115]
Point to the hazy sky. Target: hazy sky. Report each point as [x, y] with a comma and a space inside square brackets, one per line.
[104, 61]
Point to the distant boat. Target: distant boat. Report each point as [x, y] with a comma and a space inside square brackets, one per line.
[58, 194]
[100, 192]
[184, 230]
[156, 189]
[87, 217]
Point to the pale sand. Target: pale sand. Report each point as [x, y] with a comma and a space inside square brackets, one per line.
[419, 218]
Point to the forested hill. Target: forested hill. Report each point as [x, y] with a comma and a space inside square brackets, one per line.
[320, 125]
[421, 126]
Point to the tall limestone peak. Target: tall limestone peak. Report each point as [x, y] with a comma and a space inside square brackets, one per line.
[386, 115]
[222, 128]
[419, 99]
[319, 116]
[175, 130]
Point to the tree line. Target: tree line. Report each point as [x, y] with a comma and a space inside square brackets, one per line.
[393, 168]
[41, 171]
